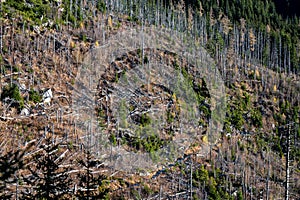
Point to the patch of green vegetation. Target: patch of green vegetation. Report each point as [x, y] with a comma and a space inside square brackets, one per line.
[135, 194]
[205, 110]
[15, 69]
[101, 118]
[152, 143]
[32, 10]
[147, 190]
[145, 119]
[202, 123]
[176, 65]
[113, 139]
[72, 12]
[101, 6]
[214, 182]
[12, 91]
[139, 52]
[30, 70]
[240, 195]
[34, 96]
[142, 120]
[170, 116]
[261, 141]
[237, 118]
[214, 43]
[133, 19]
[201, 175]
[83, 37]
[245, 101]
[256, 118]
[237, 111]
[149, 144]
[200, 91]
[118, 24]
[70, 145]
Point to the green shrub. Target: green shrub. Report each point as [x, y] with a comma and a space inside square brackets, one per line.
[101, 6]
[170, 116]
[12, 91]
[212, 191]
[101, 118]
[113, 139]
[15, 69]
[139, 52]
[145, 119]
[201, 175]
[147, 190]
[240, 195]
[34, 96]
[256, 118]
[31, 9]
[237, 119]
[206, 111]
[152, 143]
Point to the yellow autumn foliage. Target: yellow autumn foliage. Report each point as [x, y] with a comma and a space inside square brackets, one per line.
[257, 73]
[205, 139]
[174, 96]
[109, 22]
[81, 25]
[72, 44]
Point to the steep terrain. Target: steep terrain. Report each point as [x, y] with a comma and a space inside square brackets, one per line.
[46, 152]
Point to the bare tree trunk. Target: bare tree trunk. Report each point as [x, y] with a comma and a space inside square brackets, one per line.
[268, 177]
[1, 30]
[287, 167]
[191, 179]
[160, 193]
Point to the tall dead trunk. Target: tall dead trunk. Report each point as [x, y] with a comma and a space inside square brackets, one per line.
[268, 177]
[287, 167]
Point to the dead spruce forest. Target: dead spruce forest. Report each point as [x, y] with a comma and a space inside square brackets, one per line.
[149, 72]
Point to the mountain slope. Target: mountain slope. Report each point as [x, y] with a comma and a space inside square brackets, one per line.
[257, 148]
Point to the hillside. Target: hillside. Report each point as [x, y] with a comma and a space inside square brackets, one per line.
[149, 100]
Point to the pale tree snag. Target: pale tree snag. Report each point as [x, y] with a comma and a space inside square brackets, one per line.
[287, 168]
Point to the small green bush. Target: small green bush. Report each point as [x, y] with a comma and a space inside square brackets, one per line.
[145, 119]
[147, 190]
[170, 117]
[34, 96]
[201, 175]
[31, 10]
[113, 140]
[237, 119]
[15, 69]
[12, 91]
[101, 6]
[256, 118]
[139, 52]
